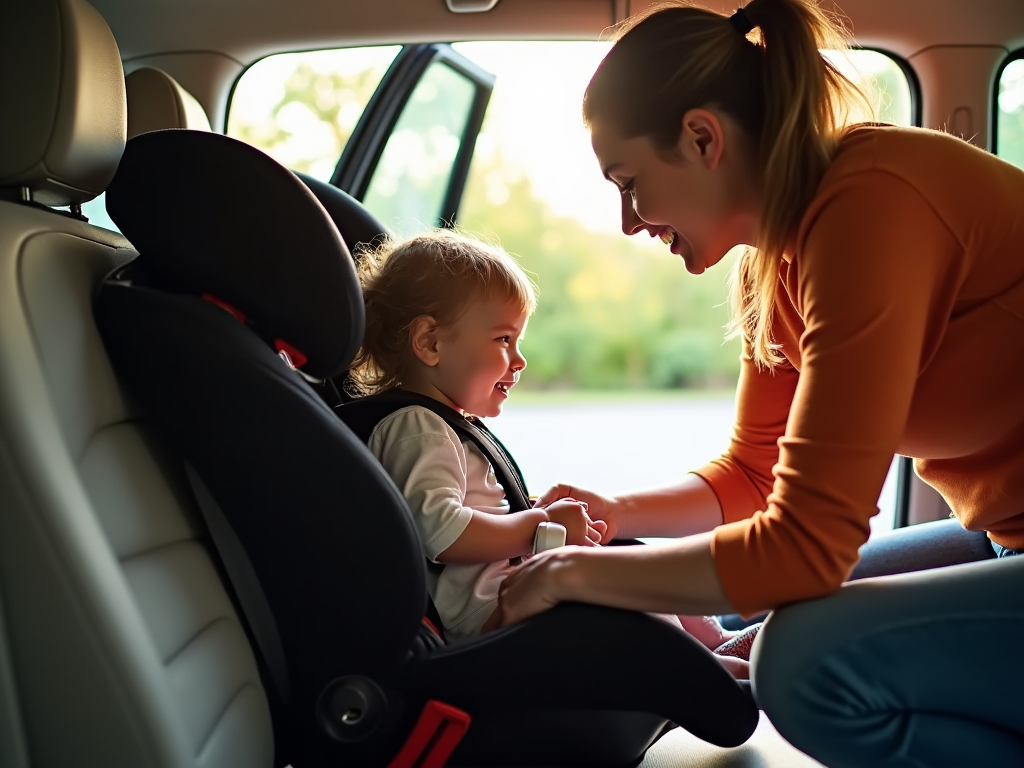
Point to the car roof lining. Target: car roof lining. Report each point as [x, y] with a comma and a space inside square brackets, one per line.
[171, 26]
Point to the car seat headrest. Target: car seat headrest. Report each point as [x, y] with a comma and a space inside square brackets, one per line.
[359, 228]
[215, 217]
[62, 90]
[157, 101]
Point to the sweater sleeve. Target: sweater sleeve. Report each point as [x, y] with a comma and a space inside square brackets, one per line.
[875, 267]
[742, 477]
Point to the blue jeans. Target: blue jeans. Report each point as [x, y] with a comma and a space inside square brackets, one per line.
[903, 670]
[1002, 551]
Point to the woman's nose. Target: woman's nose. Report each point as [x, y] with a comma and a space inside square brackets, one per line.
[631, 223]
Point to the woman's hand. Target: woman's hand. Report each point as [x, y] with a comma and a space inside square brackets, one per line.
[602, 509]
[677, 577]
[579, 528]
[533, 586]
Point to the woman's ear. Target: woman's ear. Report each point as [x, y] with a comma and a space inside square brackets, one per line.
[702, 138]
[423, 337]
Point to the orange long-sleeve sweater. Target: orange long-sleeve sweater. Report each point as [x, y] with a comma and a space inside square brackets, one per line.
[901, 318]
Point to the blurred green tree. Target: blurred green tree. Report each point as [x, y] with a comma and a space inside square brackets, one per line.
[612, 314]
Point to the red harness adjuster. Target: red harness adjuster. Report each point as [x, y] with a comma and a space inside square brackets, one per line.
[233, 311]
[437, 733]
[292, 356]
[432, 628]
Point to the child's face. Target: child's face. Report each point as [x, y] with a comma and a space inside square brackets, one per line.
[478, 357]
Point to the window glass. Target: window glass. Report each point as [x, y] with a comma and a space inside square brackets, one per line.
[884, 82]
[96, 212]
[300, 108]
[630, 381]
[1010, 113]
[408, 187]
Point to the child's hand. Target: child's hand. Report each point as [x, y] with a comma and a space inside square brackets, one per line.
[601, 509]
[579, 528]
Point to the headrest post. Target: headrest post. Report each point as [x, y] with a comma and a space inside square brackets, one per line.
[26, 195]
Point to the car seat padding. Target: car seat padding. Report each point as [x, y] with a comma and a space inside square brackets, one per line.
[327, 532]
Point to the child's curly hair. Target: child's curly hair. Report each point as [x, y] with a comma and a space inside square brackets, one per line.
[437, 274]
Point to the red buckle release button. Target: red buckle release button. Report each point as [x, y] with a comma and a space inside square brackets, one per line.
[435, 736]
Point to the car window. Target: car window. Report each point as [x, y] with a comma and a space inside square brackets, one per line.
[626, 352]
[300, 108]
[408, 187]
[629, 379]
[1009, 139]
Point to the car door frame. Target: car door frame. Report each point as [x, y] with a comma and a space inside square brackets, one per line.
[361, 156]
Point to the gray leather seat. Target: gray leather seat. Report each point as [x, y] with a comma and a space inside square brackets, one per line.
[118, 643]
[156, 101]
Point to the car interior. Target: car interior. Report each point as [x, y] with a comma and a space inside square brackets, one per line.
[157, 606]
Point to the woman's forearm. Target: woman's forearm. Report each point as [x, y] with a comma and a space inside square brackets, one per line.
[673, 577]
[684, 509]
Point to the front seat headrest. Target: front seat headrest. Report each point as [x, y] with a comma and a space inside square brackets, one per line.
[157, 101]
[181, 198]
[62, 90]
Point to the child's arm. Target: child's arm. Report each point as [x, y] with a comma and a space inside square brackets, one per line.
[428, 463]
[489, 538]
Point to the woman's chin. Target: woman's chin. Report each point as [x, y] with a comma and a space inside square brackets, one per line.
[693, 265]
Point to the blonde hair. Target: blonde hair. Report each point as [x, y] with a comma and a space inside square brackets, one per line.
[438, 274]
[791, 103]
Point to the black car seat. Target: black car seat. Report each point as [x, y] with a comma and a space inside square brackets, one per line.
[119, 647]
[195, 326]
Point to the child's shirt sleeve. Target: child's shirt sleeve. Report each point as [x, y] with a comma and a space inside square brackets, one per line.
[427, 461]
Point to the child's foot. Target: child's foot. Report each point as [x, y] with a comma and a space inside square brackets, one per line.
[707, 630]
[739, 644]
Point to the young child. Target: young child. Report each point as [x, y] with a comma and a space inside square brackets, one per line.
[444, 318]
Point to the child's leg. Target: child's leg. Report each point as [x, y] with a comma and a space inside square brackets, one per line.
[722, 642]
[707, 630]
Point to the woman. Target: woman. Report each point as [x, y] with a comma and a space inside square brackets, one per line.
[882, 310]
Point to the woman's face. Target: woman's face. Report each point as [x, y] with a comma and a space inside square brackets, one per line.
[701, 200]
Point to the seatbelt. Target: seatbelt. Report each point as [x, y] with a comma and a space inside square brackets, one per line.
[241, 574]
[364, 414]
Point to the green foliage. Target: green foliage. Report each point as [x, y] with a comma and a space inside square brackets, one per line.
[612, 313]
[415, 167]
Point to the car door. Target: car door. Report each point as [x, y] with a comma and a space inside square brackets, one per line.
[409, 155]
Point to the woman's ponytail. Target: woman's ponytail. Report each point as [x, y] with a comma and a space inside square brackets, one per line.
[764, 68]
[807, 102]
